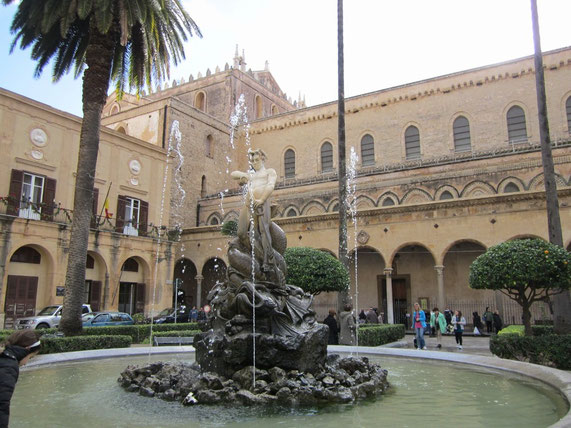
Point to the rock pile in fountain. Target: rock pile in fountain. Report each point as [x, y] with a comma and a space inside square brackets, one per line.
[262, 343]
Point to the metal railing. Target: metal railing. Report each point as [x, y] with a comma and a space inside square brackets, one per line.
[55, 213]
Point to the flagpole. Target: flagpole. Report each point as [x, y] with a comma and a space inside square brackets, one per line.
[104, 200]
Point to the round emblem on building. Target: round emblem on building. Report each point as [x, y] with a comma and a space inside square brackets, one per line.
[363, 237]
[38, 137]
[135, 167]
[37, 154]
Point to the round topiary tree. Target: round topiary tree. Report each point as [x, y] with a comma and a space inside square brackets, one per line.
[315, 271]
[525, 270]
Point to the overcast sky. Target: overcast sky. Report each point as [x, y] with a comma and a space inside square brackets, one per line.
[387, 43]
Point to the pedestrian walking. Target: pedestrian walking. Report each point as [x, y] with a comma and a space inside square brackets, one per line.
[458, 321]
[488, 319]
[498, 324]
[419, 324]
[477, 322]
[331, 322]
[438, 324]
[372, 317]
[348, 326]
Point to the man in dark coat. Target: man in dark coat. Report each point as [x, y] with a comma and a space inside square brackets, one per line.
[331, 322]
[20, 347]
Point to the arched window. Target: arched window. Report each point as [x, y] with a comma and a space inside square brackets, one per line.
[200, 101]
[326, 157]
[208, 146]
[259, 107]
[446, 195]
[131, 265]
[121, 129]
[289, 163]
[335, 208]
[291, 213]
[388, 202]
[89, 262]
[412, 142]
[274, 110]
[511, 187]
[367, 150]
[214, 221]
[115, 109]
[461, 130]
[516, 125]
[203, 187]
[568, 109]
[26, 255]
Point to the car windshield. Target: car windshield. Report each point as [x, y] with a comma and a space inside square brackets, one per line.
[48, 310]
[87, 317]
[166, 312]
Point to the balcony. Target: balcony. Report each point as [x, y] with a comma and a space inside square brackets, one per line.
[10, 207]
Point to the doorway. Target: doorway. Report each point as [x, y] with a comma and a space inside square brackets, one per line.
[131, 297]
[21, 292]
[400, 299]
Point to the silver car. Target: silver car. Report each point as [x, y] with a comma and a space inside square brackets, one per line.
[49, 317]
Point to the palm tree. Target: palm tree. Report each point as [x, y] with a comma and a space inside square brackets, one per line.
[119, 41]
[342, 176]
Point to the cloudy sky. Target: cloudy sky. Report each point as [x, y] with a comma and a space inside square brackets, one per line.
[387, 43]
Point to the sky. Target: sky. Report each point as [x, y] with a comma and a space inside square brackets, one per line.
[386, 43]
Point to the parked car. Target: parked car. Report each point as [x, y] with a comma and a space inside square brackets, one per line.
[167, 316]
[49, 317]
[102, 319]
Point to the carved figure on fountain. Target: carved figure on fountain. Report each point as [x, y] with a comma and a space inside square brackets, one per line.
[255, 299]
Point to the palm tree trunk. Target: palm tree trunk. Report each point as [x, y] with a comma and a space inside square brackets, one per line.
[561, 302]
[95, 85]
[343, 295]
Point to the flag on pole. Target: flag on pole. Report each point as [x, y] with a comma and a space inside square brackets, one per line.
[106, 206]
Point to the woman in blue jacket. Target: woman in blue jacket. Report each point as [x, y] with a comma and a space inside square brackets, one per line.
[419, 324]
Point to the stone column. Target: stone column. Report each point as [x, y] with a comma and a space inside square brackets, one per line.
[199, 279]
[390, 318]
[440, 282]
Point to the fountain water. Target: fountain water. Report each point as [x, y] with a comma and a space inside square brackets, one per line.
[263, 343]
[352, 206]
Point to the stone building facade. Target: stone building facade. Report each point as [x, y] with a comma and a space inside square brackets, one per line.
[444, 168]
[130, 258]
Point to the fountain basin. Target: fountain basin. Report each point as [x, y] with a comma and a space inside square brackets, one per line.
[432, 386]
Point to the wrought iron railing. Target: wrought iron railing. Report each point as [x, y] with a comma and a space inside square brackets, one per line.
[55, 213]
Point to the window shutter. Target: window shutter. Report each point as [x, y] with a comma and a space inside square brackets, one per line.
[120, 216]
[94, 218]
[143, 218]
[48, 202]
[95, 296]
[15, 192]
[140, 298]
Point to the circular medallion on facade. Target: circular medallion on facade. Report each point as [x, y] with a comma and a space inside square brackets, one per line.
[37, 154]
[38, 137]
[134, 181]
[363, 237]
[135, 166]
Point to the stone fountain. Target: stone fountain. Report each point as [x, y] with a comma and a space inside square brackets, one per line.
[262, 343]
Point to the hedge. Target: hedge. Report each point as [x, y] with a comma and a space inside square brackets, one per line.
[380, 334]
[52, 345]
[548, 350]
[138, 333]
[536, 330]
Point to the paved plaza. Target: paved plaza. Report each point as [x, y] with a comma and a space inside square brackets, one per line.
[474, 345]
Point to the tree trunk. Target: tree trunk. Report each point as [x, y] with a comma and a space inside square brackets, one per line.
[527, 318]
[95, 85]
[342, 176]
[561, 302]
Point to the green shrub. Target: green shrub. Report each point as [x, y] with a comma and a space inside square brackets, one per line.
[548, 350]
[542, 330]
[513, 329]
[52, 345]
[315, 271]
[138, 333]
[140, 318]
[380, 334]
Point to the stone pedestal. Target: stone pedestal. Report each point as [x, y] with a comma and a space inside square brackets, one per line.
[226, 355]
